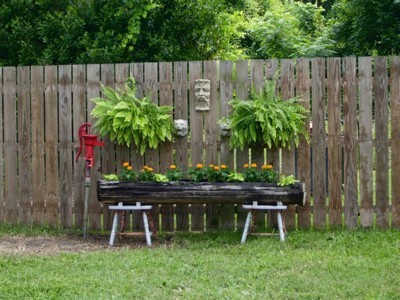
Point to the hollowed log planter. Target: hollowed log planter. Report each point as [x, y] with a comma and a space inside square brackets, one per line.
[182, 192]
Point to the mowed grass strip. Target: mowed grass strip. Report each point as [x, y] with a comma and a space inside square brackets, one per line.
[355, 264]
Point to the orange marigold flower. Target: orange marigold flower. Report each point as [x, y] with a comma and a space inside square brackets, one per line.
[254, 165]
[145, 167]
[129, 168]
[266, 167]
[150, 169]
[224, 167]
[246, 166]
[125, 164]
[211, 166]
[199, 166]
[172, 167]
[216, 168]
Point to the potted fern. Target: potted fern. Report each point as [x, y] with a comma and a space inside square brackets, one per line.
[125, 118]
[265, 120]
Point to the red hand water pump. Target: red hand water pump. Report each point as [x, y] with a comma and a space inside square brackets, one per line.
[87, 141]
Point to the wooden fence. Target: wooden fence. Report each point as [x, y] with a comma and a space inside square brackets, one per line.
[351, 164]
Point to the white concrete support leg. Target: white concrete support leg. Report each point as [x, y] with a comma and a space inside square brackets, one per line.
[146, 229]
[114, 228]
[280, 225]
[246, 227]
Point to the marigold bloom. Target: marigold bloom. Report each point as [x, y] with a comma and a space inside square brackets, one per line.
[199, 166]
[254, 165]
[129, 168]
[150, 169]
[125, 164]
[211, 166]
[216, 168]
[224, 167]
[172, 167]
[145, 167]
[266, 167]
[246, 166]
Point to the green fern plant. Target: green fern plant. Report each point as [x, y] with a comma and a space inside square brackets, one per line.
[265, 119]
[125, 118]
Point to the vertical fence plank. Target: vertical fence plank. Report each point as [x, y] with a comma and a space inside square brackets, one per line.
[318, 142]
[137, 73]
[334, 143]
[37, 145]
[382, 143]
[273, 154]
[196, 140]
[181, 143]
[257, 153]
[1, 149]
[122, 152]
[350, 141]
[242, 156]
[93, 91]
[227, 212]
[288, 159]
[24, 145]
[166, 98]
[79, 112]
[304, 164]
[65, 145]
[152, 156]
[10, 146]
[365, 141]
[395, 138]
[211, 136]
[108, 151]
[51, 142]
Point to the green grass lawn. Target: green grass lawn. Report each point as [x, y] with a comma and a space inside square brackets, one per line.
[355, 264]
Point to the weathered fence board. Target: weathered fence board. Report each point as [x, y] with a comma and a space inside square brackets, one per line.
[42, 107]
[318, 142]
[365, 141]
[382, 142]
[24, 145]
[395, 138]
[93, 91]
[196, 139]
[65, 145]
[304, 163]
[10, 146]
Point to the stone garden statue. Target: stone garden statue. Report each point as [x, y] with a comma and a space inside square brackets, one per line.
[181, 127]
[202, 94]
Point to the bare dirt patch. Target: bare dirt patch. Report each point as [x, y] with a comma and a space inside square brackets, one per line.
[48, 245]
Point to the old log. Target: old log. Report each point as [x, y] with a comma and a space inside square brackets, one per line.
[183, 192]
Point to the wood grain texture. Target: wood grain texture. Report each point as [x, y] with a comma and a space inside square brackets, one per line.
[318, 142]
[196, 139]
[350, 141]
[395, 138]
[288, 155]
[365, 141]
[166, 155]
[304, 162]
[79, 117]
[382, 142]
[227, 212]
[181, 143]
[65, 145]
[24, 146]
[334, 143]
[93, 91]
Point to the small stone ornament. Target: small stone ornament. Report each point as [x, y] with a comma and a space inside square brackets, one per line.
[202, 89]
[181, 127]
[225, 130]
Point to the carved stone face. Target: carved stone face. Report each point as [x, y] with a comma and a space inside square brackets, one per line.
[225, 130]
[181, 127]
[202, 93]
